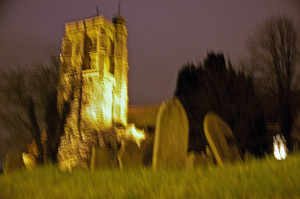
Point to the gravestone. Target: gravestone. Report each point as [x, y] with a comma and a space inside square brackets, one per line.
[196, 159]
[220, 139]
[100, 158]
[193, 159]
[210, 158]
[130, 155]
[13, 161]
[171, 136]
[29, 161]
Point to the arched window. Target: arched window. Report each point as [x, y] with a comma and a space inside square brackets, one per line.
[111, 51]
[86, 53]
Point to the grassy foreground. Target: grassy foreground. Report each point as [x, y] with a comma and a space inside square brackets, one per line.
[267, 178]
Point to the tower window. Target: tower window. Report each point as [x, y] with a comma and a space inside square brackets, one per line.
[93, 46]
[86, 53]
[111, 57]
[77, 49]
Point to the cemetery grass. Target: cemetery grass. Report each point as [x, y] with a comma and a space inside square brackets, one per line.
[265, 178]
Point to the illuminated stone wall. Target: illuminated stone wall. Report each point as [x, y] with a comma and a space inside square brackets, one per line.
[93, 79]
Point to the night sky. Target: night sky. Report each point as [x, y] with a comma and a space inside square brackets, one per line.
[162, 34]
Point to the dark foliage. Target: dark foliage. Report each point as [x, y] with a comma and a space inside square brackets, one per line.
[29, 105]
[217, 87]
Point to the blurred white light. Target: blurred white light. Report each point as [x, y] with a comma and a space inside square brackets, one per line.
[280, 150]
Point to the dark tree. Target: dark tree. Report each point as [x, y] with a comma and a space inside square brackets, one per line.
[18, 107]
[215, 86]
[273, 50]
[29, 105]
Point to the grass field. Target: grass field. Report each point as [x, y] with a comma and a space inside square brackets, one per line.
[267, 178]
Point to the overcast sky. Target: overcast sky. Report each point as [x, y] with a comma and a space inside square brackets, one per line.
[162, 34]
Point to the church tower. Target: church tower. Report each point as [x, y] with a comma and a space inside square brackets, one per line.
[93, 81]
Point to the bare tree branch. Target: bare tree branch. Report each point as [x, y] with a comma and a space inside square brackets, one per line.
[274, 54]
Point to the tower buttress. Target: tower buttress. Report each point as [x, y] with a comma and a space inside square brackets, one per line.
[121, 72]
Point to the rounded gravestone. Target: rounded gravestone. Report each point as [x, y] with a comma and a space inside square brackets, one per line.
[130, 155]
[13, 161]
[220, 138]
[171, 136]
[100, 158]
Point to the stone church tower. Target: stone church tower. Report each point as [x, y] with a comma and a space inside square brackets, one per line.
[93, 83]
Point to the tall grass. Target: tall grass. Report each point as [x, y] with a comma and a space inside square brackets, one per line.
[267, 178]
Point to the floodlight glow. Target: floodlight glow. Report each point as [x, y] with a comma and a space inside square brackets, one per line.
[279, 145]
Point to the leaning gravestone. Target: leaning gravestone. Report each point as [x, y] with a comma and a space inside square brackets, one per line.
[100, 158]
[220, 138]
[171, 136]
[13, 161]
[130, 155]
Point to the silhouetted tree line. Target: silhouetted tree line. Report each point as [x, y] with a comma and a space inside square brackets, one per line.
[215, 86]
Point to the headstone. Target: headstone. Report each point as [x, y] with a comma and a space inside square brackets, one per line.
[29, 161]
[210, 158]
[13, 161]
[100, 158]
[147, 149]
[171, 136]
[192, 159]
[220, 138]
[196, 159]
[130, 155]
